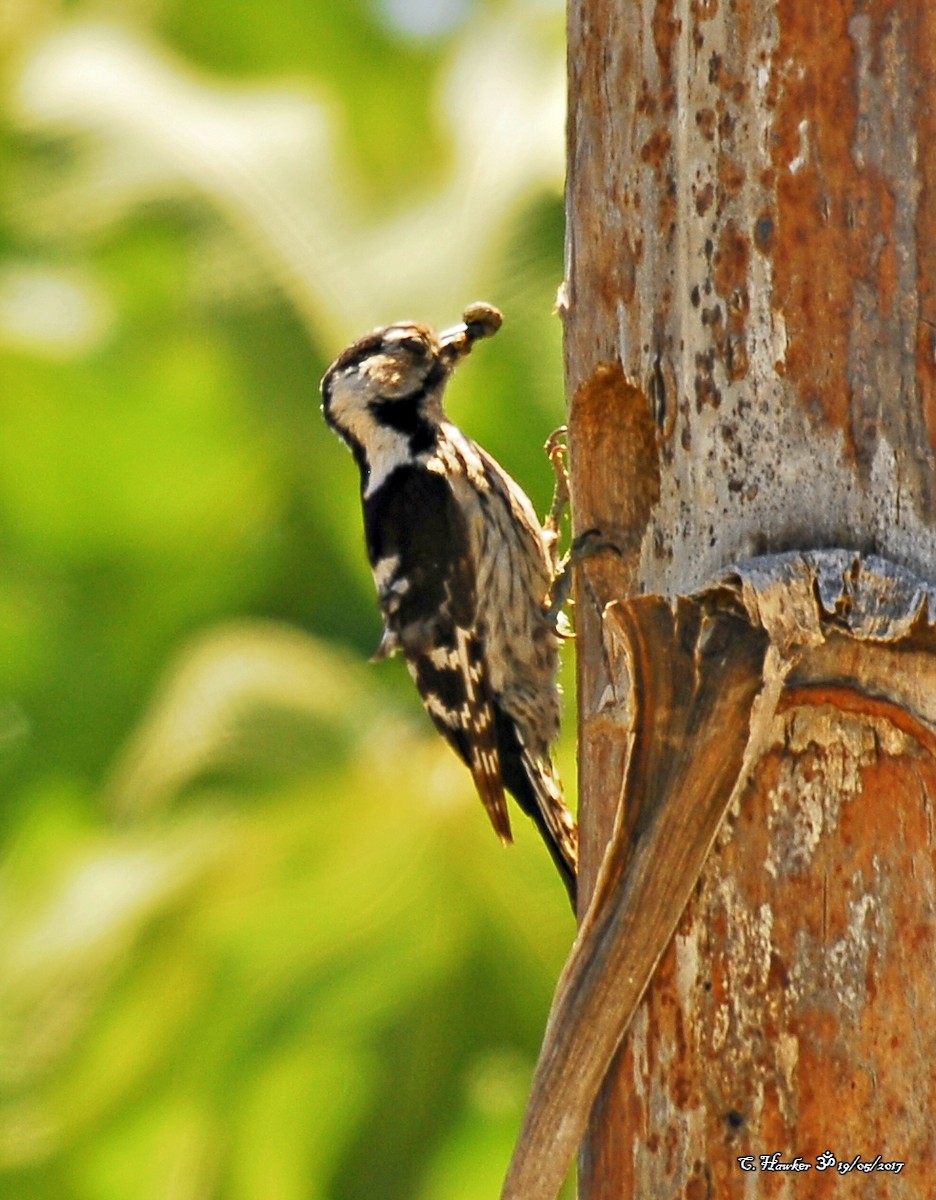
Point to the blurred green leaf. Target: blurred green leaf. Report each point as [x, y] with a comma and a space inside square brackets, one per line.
[256, 936]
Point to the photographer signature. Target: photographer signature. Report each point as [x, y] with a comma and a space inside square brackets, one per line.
[823, 1162]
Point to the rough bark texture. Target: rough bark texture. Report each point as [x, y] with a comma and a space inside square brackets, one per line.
[794, 1011]
[751, 247]
[751, 355]
[751, 340]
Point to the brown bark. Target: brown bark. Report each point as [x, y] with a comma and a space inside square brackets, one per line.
[794, 1010]
[751, 354]
[751, 245]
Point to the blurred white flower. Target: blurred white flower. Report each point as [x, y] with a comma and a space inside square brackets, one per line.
[149, 128]
[51, 311]
[425, 18]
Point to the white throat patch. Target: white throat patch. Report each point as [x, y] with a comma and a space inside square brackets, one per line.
[385, 448]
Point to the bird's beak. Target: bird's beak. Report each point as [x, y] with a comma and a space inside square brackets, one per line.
[478, 321]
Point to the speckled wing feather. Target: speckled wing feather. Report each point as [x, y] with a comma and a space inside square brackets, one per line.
[427, 589]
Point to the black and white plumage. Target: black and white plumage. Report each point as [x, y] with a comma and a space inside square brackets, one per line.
[462, 566]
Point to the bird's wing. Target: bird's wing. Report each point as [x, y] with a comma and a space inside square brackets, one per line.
[420, 554]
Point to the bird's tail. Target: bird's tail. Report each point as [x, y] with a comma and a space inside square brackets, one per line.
[555, 821]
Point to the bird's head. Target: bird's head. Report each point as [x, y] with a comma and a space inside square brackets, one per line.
[393, 378]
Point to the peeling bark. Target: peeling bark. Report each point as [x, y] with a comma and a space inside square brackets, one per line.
[791, 706]
[751, 360]
[750, 317]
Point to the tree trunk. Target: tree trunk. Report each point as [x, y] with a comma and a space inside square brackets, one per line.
[751, 358]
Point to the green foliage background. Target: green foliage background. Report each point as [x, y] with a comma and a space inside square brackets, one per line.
[256, 937]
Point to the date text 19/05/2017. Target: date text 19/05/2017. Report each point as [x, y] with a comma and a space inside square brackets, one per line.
[826, 1161]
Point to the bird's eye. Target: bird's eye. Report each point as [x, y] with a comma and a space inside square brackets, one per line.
[415, 345]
